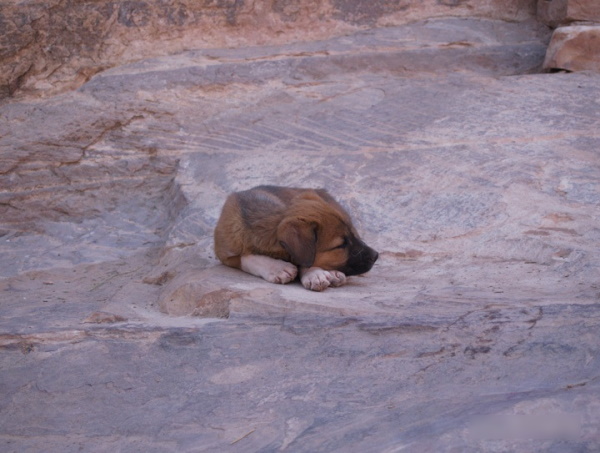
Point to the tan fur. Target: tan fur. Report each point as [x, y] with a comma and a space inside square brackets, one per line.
[305, 227]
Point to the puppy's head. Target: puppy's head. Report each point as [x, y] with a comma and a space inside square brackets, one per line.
[318, 232]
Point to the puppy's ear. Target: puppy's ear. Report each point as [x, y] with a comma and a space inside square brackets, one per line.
[299, 238]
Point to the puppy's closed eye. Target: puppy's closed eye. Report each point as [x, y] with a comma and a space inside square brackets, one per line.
[342, 245]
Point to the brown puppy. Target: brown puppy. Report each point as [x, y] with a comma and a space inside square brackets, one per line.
[272, 232]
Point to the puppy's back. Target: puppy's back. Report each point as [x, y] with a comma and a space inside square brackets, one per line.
[229, 233]
[248, 222]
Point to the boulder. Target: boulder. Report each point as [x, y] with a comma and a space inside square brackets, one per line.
[574, 48]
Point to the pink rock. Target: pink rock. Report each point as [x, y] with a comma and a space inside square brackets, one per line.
[557, 12]
[52, 46]
[574, 48]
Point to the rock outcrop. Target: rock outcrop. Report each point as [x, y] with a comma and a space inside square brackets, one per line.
[50, 46]
[575, 45]
[575, 48]
[477, 330]
[562, 12]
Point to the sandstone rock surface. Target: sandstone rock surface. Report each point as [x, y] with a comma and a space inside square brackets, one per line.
[478, 184]
[575, 44]
[574, 48]
[562, 12]
[50, 46]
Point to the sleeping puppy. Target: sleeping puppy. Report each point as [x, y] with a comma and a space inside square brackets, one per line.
[279, 232]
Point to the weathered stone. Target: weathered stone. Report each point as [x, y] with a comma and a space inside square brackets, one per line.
[562, 12]
[49, 46]
[574, 48]
[552, 12]
[475, 181]
[101, 317]
[196, 294]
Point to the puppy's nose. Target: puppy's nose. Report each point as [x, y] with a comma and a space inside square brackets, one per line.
[374, 256]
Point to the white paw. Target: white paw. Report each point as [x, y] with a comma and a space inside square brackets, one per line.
[317, 279]
[272, 270]
[337, 278]
[282, 272]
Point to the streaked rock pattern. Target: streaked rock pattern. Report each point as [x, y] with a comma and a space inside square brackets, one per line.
[474, 176]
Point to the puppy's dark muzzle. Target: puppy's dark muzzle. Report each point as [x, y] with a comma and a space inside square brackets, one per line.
[361, 260]
[373, 255]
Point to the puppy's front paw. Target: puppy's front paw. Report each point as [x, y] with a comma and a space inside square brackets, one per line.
[281, 272]
[336, 278]
[317, 279]
[272, 270]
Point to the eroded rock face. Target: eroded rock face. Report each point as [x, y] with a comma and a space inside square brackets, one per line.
[575, 45]
[562, 12]
[55, 45]
[461, 165]
[574, 48]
